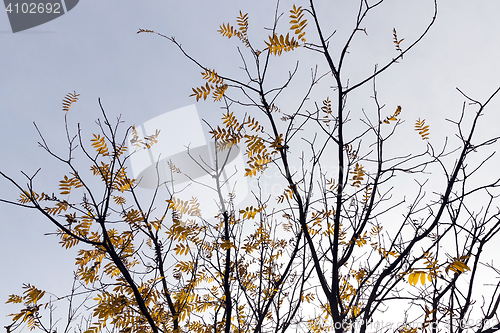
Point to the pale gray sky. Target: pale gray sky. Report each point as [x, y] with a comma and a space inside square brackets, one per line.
[95, 51]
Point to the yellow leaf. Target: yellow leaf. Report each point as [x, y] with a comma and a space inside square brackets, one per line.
[17, 316]
[298, 22]
[14, 299]
[181, 249]
[355, 311]
[414, 277]
[458, 266]
[225, 245]
[100, 145]
[145, 30]
[398, 111]
[69, 99]
[422, 278]
[393, 117]
[421, 129]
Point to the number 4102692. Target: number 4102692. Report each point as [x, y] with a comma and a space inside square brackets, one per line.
[33, 8]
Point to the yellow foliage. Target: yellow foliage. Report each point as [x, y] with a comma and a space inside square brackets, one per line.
[82, 229]
[68, 101]
[25, 197]
[327, 106]
[225, 245]
[386, 253]
[457, 265]
[230, 121]
[360, 240]
[255, 145]
[191, 207]
[257, 163]
[219, 92]
[376, 230]
[396, 41]
[109, 305]
[229, 31]
[31, 294]
[14, 299]
[60, 206]
[367, 195]
[111, 270]
[415, 276]
[357, 175]
[298, 22]
[100, 145]
[66, 240]
[122, 182]
[327, 109]
[225, 138]
[102, 171]
[332, 185]
[119, 200]
[242, 20]
[202, 92]
[212, 77]
[185, 266]
[346, 290]
[254, 125]
[66, 184]
[393, 117]
[151, 139]
[408, 330]
[352, 154]
[172, 167]
[132, 216]
[31, 297]
[359, 275]
[431, 264]
[355, 310]
[249, 212]
[278, 44]
[181, 249]
[422, 129]
[145, 30]
[432, 270]
[309, 297]
[135, 141]
[277, 143]
[258, 156]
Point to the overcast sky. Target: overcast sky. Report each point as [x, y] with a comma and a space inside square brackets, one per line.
[95, 51]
